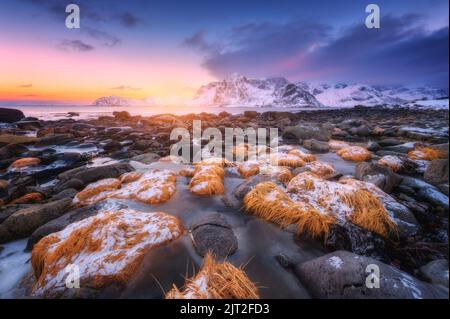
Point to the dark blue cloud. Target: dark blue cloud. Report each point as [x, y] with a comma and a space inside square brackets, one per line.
[75, 45]
[402, 52]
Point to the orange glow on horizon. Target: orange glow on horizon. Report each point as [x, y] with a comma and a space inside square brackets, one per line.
[35, 73]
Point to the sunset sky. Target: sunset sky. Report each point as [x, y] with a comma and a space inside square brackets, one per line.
[167, 49]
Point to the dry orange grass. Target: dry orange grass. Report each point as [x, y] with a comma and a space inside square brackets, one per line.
[108, 248]
[29, 198]
[283, 174]
[130, 177]
[369, 212]
[272, 204]
[248, 169]
[354, 154]
[187, 172]
[393, 162]
[289, 160]
[98, 187]
[306, 157]
[216, 281]
[425, 153]
[321, 169]
[315, 224]
[26, 162]
[336, 145]
[152, 187]
[207, 180]
[314, 204]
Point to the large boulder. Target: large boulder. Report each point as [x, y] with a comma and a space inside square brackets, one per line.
[61, 222]
[436, 272]
[12, 150]
[146, 158]
[10, 115]
[437, 172]
[342, 274]
[308, 131]
[242, 189]
[316, 146]
[213, 234]
[25, 221]
[92, 174]
[386, 179]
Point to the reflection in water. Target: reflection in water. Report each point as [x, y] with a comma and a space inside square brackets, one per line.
[14, 265]
[259, 243]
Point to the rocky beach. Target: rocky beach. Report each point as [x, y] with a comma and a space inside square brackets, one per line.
[350, 188]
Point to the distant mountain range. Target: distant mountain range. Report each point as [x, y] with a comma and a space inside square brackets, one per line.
[241, 91]
[121, 101]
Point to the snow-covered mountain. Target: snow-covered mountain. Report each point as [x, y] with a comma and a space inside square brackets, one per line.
[121, 101]
[239, 90]
[346, 95]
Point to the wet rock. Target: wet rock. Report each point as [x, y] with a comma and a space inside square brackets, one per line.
[23, 222]
[73, 183]
[54, 139]
[384, 152]
[373, 146]
[379, 175]
[434, 196]
[91, 174]
[12, 150]
[342, 274]
[316, 146]
[66, 193]
[16, 139]
[29, 125]
[308, 131]
[357, 240]
[146, 158]
[213, 234]
[389, 142]
[18, 186]
[401, 148]
[362, 130]
[61, 222]
[250, 114]
[436, 272]
[5, 235]
[10, 115]
[112, 146]
[82, 126]
[444, 188]
[437, 172]
[241, 190]
[141, 145]
[122, 115]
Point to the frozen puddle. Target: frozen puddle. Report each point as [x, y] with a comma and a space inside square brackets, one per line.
[14, 265]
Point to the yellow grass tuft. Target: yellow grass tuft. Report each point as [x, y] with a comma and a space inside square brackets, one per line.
[315, 224]
[271, 203]
[216, 281]
[26, 162]
[369, 212]
[248, 169]
[207, 180]
[354, 153]
[336, 145]
[425, 153]
[306, 157]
